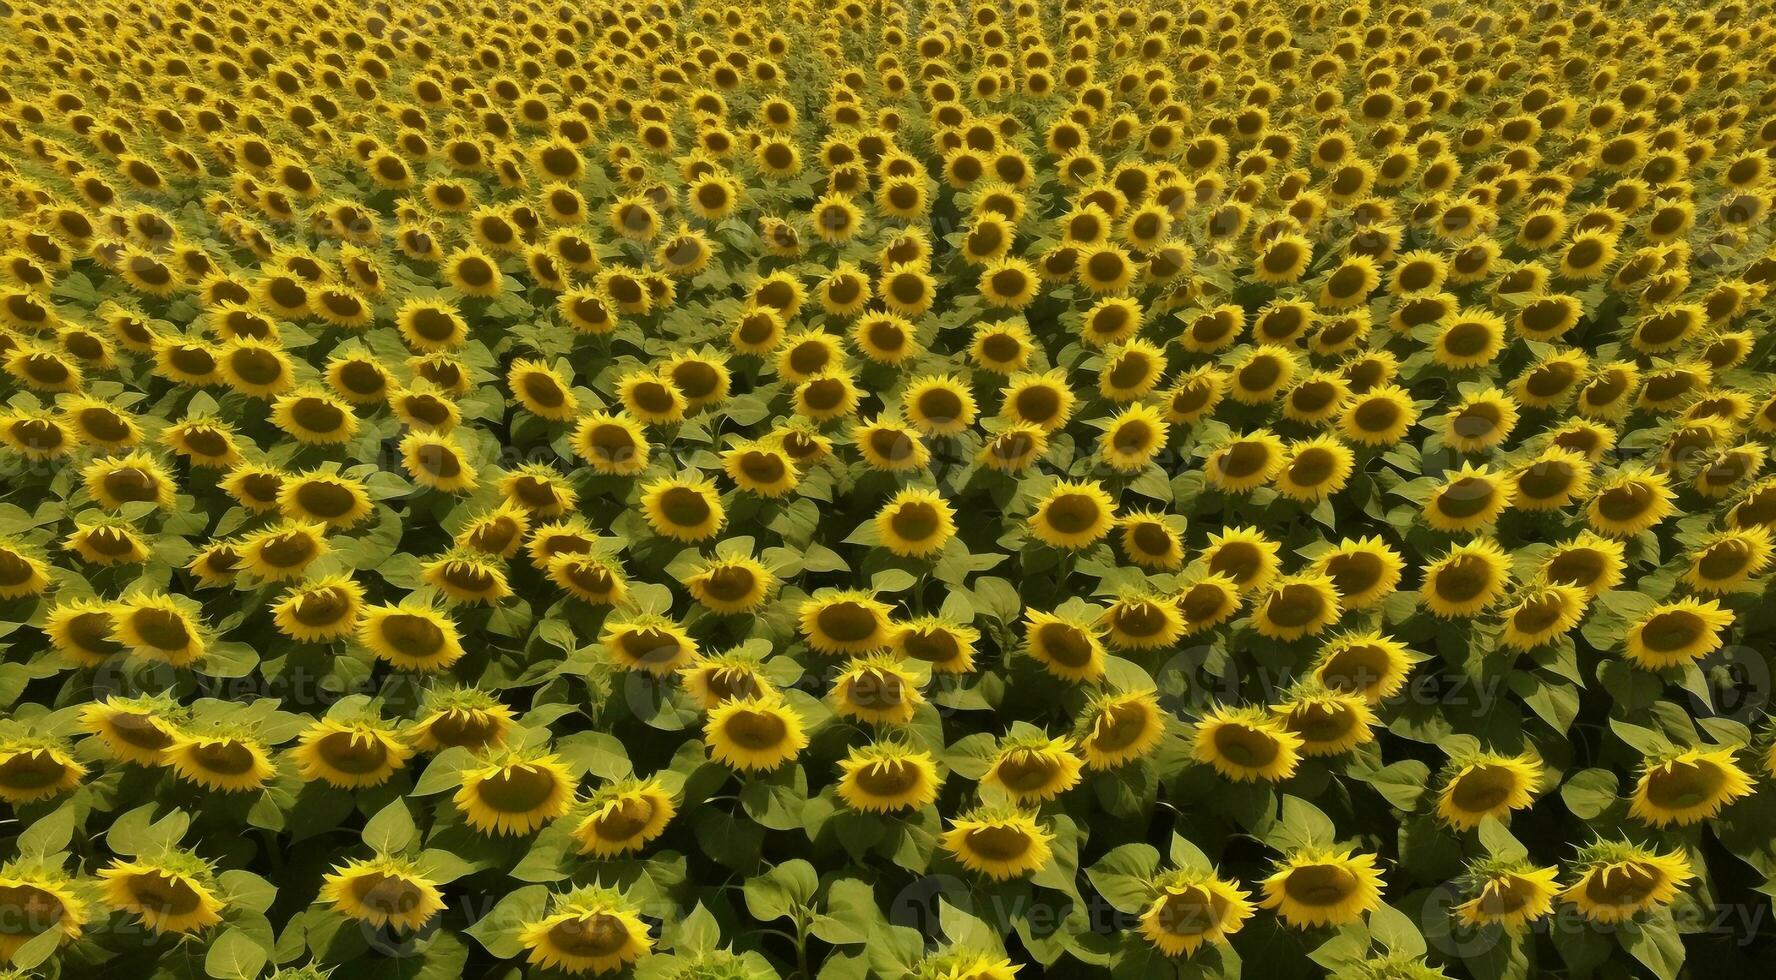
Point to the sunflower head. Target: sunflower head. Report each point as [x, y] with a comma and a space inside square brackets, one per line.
[587, 930]
[622, 816]
[383, 891]
[174, 891]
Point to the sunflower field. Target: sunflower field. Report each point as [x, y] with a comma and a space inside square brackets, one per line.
[841, 489]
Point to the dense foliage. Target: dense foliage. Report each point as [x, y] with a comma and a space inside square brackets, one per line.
[1181, 488]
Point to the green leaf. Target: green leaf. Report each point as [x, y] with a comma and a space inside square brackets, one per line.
[391, 830]
[777, 892]
[235, 956]
[1125, 877]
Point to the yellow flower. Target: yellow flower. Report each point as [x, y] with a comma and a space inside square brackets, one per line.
[1469, 499]
[1688, 787]
[1322, 887]
[887, 777]
[1000, 843]
[34, 768]
[1617, 881]
[1673, 634]
[1511, 896]
[383, 891]
[1246, 744]
[512, 793]
[320, 611]
[172, 892]
[1243, 554]
[915, 523]
[1073, 515]
[588, 930]
[1467, 579]
[946, 645]
[1065, 647]
[222, 760]
[1245, 462]
[683, 508]
[35, 898]
[754, 734]
[1630, 503]
[1373, 665]
[875, 688]
[846, 622]
[621, 817]
[350, 754]
[1544, 612]
[158, 627]
[410, 637]
[1488, 785]
[1118, 728]
[1193, 909]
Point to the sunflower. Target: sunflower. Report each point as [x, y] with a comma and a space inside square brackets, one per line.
[1002, 347]
[539, 489]
[1617, 881]
[1205, 601]
[1687, 787]
[652, 398]
[621, 817]
[513, 792]
[1314, 469]
[1246, 745]
[710, 679]
[107, 541]
[1130, 370]
[1067, 647]
[320, 611]
[888, 777]
[541, 390]
[222, 760]
[1117, 728]
[36, 897]
[1001, 843]
[1322, 887]
[81, 630]
[1487, 785]
[1543, 613]
[946, 645]
[436, 461]
[1283, 259]
[1379, 417]
[1150, 540]
[34, 768]
[137, 478]
[410, 636]
[466, 717]
[1073, 515]
[1481, 421]
[876, 689]
[939, 405]
[137, 730]
[755, 734]
[915, 523]
[1041, 400]
[1550, 481]
[613, 445]
[1372, 665]
[683, 508]
[1467, 579]
[1243, 463]
[1508, 894]
[1469, 499]
[1033, 768]
[1726, 558]
[1132, 437]
[350, 754]
[587, 930]
[384, 891]
[1675, 633]
[1192, 909]
[1629, 503]
[283, 551]
[848, 622]
[732, 584]
[1245, 555]
[159, 627]
[647, 642]
[171, 892]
